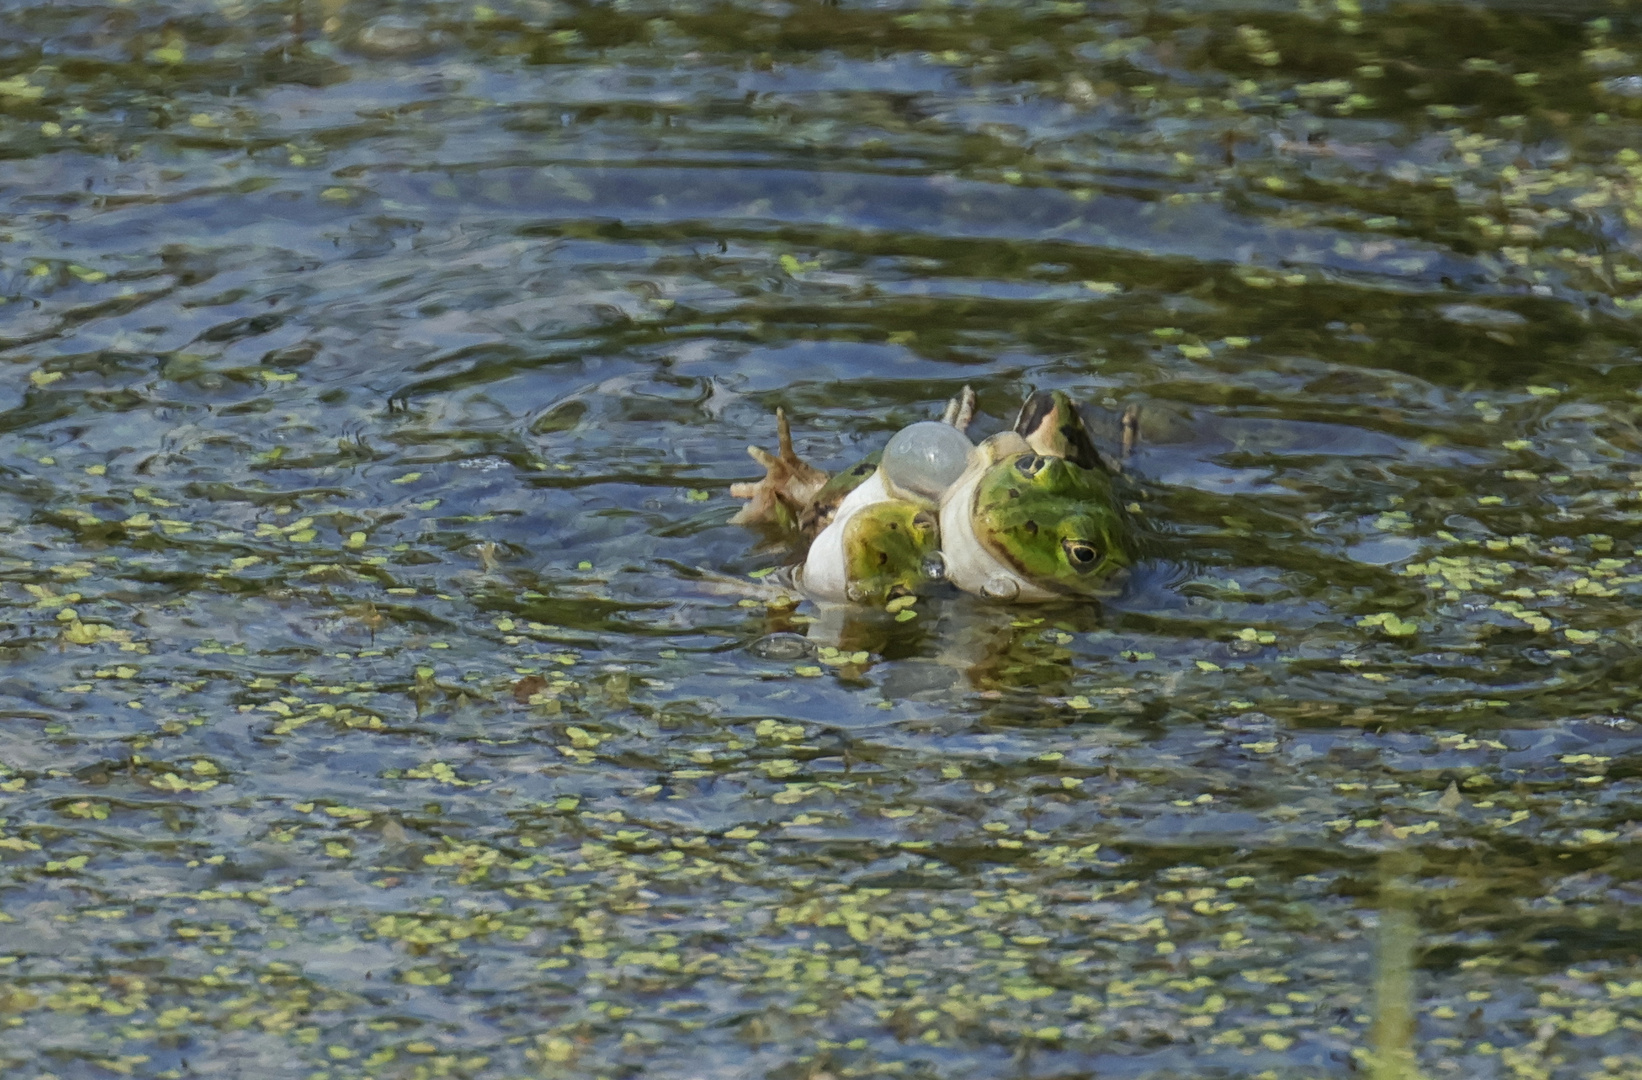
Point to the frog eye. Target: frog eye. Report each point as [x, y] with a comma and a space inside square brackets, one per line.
[1081, 554]
[1030, 465]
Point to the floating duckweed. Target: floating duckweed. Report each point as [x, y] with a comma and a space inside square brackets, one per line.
[626, 864]
[1389, 624]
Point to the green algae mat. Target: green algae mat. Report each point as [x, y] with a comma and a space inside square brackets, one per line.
[384, 693]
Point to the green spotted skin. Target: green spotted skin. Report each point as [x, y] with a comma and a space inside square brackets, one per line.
[886, 547]
[1055, 523]
[820, 510]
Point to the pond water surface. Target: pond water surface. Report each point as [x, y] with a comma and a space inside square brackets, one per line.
[383, 692]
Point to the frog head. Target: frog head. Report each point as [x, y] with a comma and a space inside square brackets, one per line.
[1025, 526]
[887, 550]
[877, 547]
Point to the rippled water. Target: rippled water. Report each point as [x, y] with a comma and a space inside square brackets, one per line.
[384, 691]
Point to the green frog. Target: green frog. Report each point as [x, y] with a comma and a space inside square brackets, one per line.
[1029, 515]
[872, 528]
[1035, 516]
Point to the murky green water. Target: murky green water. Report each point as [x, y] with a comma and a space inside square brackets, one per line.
[374, 703]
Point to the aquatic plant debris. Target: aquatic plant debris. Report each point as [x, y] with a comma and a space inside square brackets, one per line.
[387, 695]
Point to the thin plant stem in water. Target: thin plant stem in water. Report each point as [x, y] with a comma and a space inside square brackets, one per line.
[1392, 1057]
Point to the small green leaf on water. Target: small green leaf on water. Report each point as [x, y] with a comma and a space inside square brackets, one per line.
[408, 478]
[1582, 637]
[807, 670]
[18, 87]
[906, 616]
[1544, 391]
[584, 565]
[43, 378]
[1389, 624]
[697, 495]
[336, 194]
[356, 540]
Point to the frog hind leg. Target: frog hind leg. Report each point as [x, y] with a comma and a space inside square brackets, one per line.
[1051, 423]
[788, 487]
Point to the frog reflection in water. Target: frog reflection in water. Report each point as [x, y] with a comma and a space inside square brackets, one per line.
[1029, 515]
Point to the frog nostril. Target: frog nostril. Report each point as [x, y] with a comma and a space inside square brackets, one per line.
[1031, 528]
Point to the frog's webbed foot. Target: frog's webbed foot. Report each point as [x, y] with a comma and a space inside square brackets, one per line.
[788, 487]
[960, 410]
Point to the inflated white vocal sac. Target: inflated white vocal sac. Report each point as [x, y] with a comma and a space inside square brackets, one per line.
[923, 459]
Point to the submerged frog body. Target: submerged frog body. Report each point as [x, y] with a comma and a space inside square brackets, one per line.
[1035, 517]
